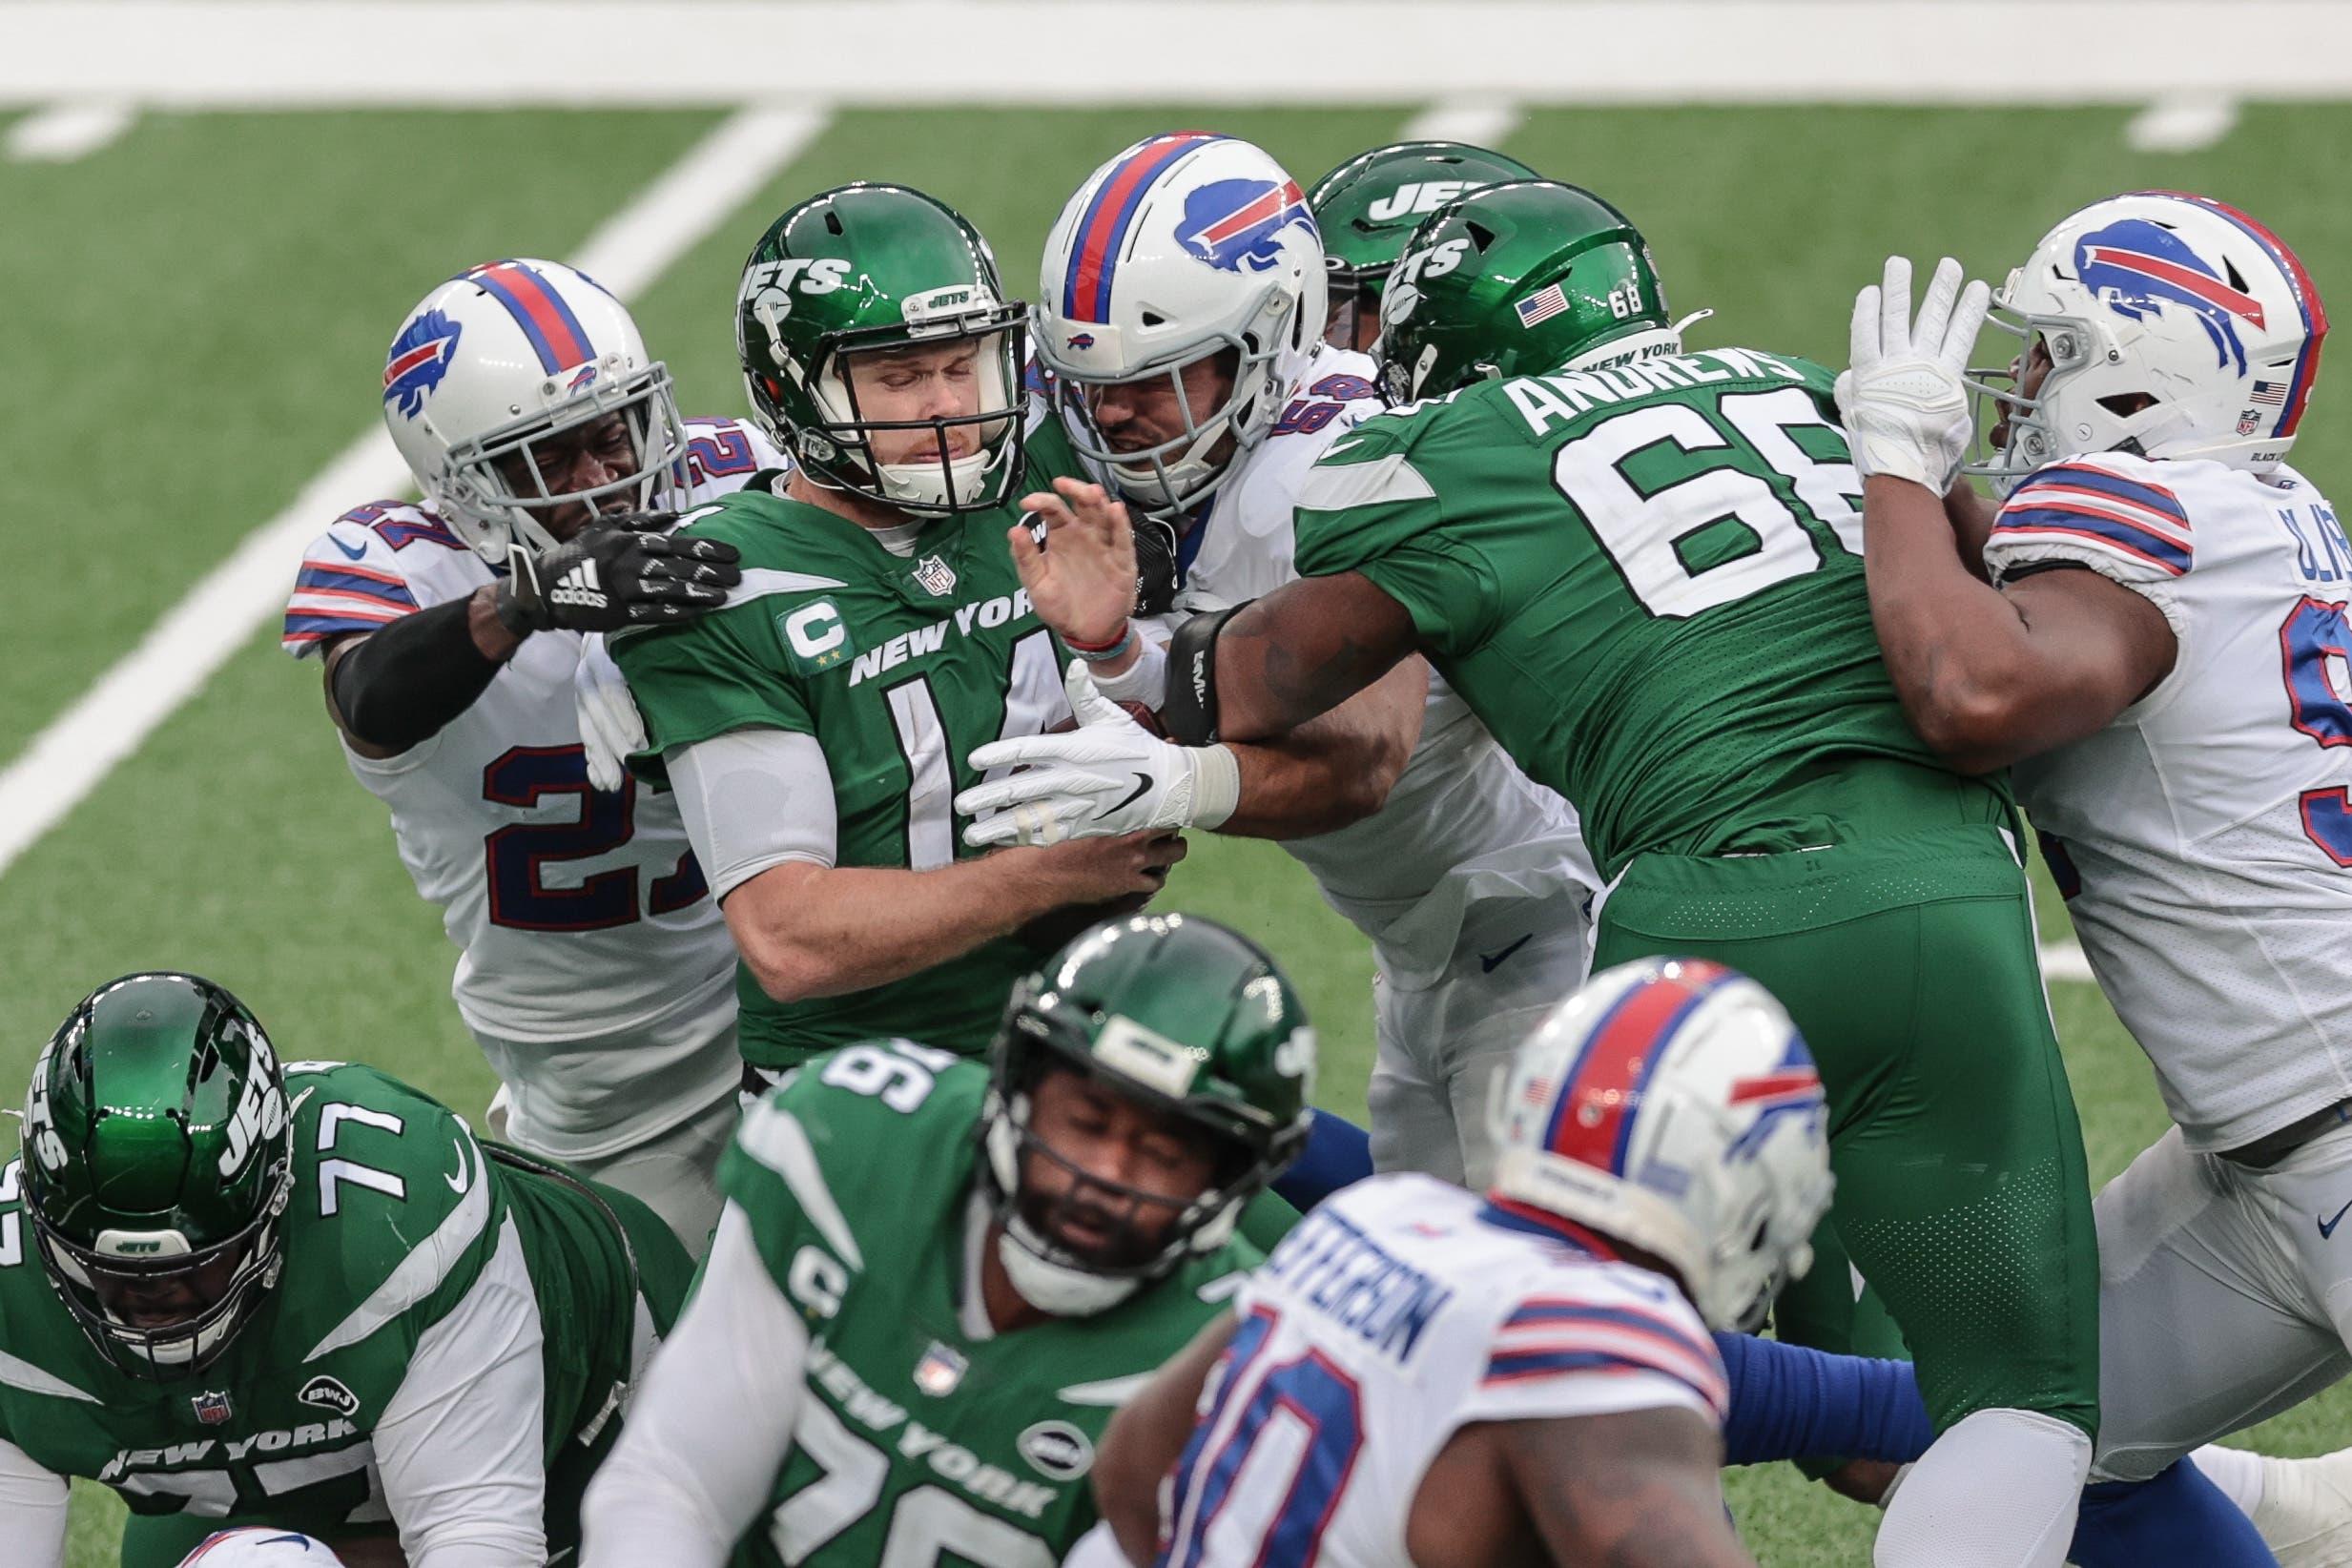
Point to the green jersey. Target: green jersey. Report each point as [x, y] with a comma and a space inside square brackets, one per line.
[1647, 581]
[396, 1217]
[900, 666]
[921, 1443]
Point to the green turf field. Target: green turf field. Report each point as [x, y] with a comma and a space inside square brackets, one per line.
[201, 313]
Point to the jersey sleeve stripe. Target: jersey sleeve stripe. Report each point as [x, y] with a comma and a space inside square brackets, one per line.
[1543, 1312]
[2083, 476]
[2107, 532]
[1631, 1343]
[387, 585]
[2099, 504]
[1517, 1368]
[327, 600]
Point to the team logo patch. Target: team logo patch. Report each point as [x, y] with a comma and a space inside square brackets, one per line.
[420, 357]
[327, 1393]
[2138, 268]
[1235, 225]
[1057, 1449]
[1080, 340]
[816, 636]
[937, 577]
[211, 1408]
[939, 1371]
[582, 377]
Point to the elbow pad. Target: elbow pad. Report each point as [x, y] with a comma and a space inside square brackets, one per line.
[403, 685]
[1190, 713]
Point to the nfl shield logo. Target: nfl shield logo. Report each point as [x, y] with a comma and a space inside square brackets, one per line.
[939, 1371]
[935, 575]
[211, 1408]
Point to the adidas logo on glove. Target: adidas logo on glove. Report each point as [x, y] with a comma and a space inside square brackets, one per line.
[579, 587]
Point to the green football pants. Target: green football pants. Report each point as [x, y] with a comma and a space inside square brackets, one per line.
[1909, 964]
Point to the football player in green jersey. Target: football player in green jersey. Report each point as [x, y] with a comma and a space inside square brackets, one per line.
[1643, 569]
[815, 727]
[934, 1280]
[301, 1296]
[1369, 207]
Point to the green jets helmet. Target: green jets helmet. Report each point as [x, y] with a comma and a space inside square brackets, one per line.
[1517, 279]
[1185, 1018]
[1369, 205]
[156, 1162]
[867, 272]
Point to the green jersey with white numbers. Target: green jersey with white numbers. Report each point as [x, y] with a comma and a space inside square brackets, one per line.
[1647, 581]
[900, 666]
[396, 1213]
[919, 1443]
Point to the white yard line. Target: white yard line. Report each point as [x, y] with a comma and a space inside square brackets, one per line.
[1481, 123]
[66, 132]
[2186, 124]
[332, 54]
[216, 617]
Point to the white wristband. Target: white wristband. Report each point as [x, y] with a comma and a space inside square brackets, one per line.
[1144, 681]
[1216, 785]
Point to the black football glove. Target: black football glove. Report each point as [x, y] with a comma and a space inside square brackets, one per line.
[1155, 564]
[618, 571]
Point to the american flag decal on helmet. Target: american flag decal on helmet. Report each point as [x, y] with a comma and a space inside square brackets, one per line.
[1542, 305]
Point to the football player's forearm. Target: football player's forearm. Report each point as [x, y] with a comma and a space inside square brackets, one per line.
[394, 689]
[1954, 647]
[823, 931]
[1334, 769]
[1147, 1438]
[1300, 652]
[1970, 516]
[1642, 1489]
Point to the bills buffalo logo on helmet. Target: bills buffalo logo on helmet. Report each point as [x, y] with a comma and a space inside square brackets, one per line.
[582, 377]
[1082, 339]
[2138, 267]
[420, 357]
[1233, 225]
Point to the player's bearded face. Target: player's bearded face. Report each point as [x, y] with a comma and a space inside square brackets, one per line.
[164, 1300]
[2027, 371]
[912, 384]
[1105, 1178]
[1149, 411]
[582, 458]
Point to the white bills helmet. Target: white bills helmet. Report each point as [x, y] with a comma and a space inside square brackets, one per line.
[258, 1546]
[2176, 327]
[1671, 1105]
[1183, 246]
[497, 360]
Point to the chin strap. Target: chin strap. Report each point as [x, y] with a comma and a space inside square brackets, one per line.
[1056, 1287]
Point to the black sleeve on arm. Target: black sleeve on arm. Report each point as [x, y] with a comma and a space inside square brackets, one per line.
[400, 684]
[1188, 712]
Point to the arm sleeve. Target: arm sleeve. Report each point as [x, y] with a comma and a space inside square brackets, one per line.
[460, 1445]
[753, 800]
[2107, 512]
[33, 1502]
[705, 1435]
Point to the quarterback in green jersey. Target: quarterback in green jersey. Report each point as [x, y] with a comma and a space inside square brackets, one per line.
[303, 1296]
[815, 727]
[1643, 569]
[934, 1280]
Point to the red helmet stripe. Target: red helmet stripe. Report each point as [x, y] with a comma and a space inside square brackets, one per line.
[1086, 291]
[1592, 1117]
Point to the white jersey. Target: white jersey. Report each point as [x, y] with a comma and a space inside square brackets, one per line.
[2204, 837]
[594, 965]
[1396, 1314]
[1462, 824]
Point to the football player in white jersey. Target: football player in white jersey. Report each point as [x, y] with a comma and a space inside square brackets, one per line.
[1424, 1374]
[1181, 318]
[594, 969]
[2152, 630]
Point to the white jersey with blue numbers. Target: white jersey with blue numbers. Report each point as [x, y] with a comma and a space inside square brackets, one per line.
[1462, 825]
[594, 965]
[1392, 1316]
[2204, 837]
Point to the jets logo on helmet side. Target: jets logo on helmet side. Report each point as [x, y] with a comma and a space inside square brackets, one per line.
[419, 360]
[1231, 224]
[2137, 267]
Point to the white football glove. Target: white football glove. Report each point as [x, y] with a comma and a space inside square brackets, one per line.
[610, 727]
[1907, 410]
[1109, 775]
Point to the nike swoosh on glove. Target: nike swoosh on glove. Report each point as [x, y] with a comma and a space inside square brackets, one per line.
[1905, 405]
[1109, 775]
[611, 726]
